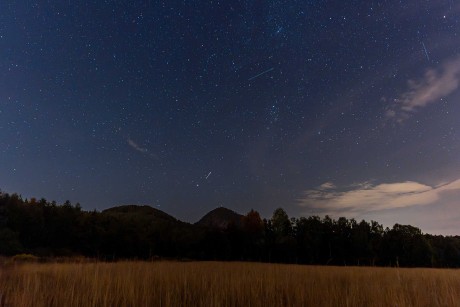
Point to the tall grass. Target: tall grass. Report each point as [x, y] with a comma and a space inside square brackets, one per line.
[224, 284]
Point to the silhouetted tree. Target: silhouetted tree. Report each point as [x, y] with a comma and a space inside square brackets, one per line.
[253, 230]
[283, 247]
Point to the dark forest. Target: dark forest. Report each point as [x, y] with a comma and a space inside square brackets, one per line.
[47, 229]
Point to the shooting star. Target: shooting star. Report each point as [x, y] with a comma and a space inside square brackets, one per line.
[208, 175]
[426, 52]
[262, 73]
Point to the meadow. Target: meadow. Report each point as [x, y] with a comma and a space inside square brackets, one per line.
[162, 283]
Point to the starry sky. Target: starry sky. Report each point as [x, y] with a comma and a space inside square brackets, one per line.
[346, 108]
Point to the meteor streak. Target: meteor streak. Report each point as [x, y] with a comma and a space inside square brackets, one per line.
[426, 52]
[262, 73]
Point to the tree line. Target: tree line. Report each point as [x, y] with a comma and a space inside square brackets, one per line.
[45, 228]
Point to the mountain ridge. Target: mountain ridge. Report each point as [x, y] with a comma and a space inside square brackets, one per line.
[145, 210]
[221, 218]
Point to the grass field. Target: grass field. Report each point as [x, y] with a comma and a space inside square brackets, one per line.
[223, 284]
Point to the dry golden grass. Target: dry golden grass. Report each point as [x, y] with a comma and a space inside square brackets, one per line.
[224, 284]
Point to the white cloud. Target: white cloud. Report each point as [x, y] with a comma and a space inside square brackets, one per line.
[327, 186]
[435, 85]
[364, 198]
[135, 146]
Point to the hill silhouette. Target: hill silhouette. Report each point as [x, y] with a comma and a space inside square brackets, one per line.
[144, 212]
[220, 218]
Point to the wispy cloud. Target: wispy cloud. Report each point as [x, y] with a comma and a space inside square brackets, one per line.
[434, 85]
[141, 149]
[364, 198]
[327, 186]
[136, 146]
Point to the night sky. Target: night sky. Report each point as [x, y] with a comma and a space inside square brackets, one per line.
[346, 108]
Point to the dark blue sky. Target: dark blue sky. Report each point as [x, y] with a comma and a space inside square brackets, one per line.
[321, 107]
